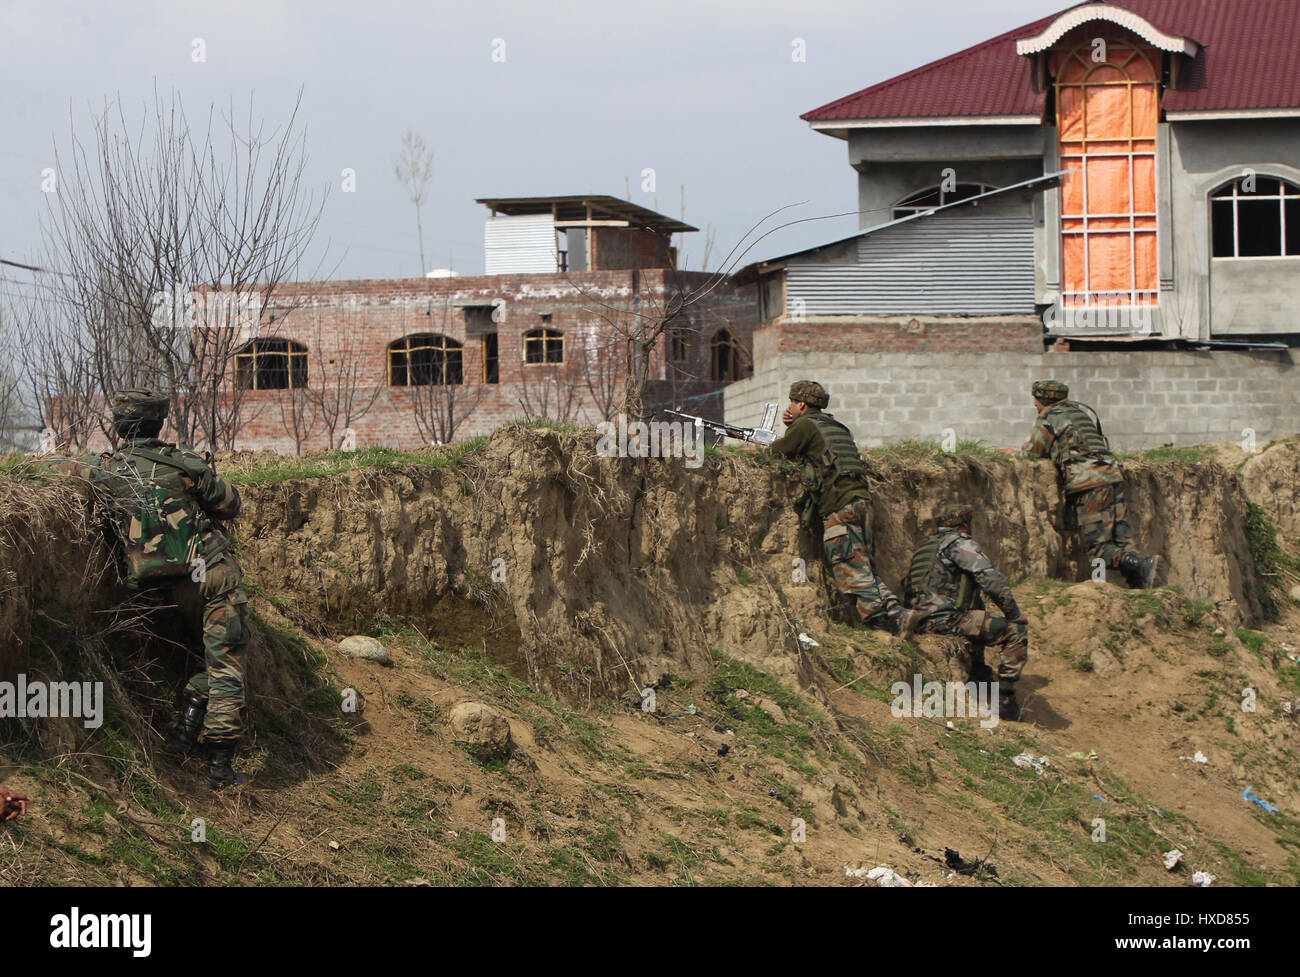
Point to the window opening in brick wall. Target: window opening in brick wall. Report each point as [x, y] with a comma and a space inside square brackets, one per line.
[543, 346]
[491, 359]
[679, 345]
[478, 319]
[1256, 217]
[425, 359]
[271, 364]
[725, 357]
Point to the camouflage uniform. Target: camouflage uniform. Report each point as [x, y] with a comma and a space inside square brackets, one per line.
[947, 574]
[833, 473]
[210, 586]
[1070, 434]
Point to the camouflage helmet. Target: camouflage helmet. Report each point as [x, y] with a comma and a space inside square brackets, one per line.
[809, 392]
[1049, 391]
[956, 514]
[130, 406]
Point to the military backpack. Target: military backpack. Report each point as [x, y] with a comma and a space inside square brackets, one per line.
[160, 528]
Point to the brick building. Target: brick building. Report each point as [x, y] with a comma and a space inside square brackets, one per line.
[547, 333]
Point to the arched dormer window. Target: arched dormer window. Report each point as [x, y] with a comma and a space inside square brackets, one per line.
[271, 364]
[937, 196]
[425, 359]
[724, 357]
[543, 346]
[1256, 217]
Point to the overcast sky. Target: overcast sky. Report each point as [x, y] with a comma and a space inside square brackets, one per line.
[588, 96]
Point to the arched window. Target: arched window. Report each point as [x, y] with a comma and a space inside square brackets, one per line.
[724, 357]
[1256, 217]
[679, 345]
[543, 346]
[424, 359]
[937, 196]
[271, 364]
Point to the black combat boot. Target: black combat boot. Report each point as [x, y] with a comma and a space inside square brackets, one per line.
[219, 775]
[1008, 707]
[905, 620]
[183, 733]
[981, 673]
[1139, 571]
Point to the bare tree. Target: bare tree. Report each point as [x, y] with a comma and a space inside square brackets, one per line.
[548, 394]
[413, 168]
[168, 242]
[336, 383]
[54, 362]
[602, 360]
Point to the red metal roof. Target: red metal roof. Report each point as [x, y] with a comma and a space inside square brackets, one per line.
[1247, 61]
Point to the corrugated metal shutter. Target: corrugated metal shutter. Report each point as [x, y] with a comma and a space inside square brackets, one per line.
[516, 245]
[943, 265]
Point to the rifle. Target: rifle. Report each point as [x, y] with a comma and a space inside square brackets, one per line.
[755, 435]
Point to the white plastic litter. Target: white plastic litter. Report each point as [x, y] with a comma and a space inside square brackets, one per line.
[1203, 879]
[807, 642]
[886, 877]
[1172, 858]
[1027, 761]
[1199, 757]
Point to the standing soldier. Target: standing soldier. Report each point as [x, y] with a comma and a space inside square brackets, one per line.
[164, 502]
[1070, 434]
[944, 582]
[836, 480]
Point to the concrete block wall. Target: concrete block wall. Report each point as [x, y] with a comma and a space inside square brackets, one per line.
[1146, 398]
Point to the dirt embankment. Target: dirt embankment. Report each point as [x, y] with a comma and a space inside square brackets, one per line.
[600, 573]
[588, 576]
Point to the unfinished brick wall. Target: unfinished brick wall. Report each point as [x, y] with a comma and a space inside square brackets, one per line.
[349, 326]
[899, 334]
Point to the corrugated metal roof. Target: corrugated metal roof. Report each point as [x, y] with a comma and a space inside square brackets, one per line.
[1247, 61]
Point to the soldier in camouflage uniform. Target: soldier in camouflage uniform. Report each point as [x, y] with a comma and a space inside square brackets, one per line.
[947, 574]
[838, 494]
[1070, 434]
[184, 556]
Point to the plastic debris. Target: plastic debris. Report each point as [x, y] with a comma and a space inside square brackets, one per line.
[691, 709]
[886, 877]
[1203, 879]
[1098, 797]
[807, 642]
[949, 724]
[1027, 761]
[1198, 757]
[1250, 795]
[1080, 755]
[1172, 858]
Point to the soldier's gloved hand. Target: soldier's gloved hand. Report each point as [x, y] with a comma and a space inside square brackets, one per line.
[11, 805]
[1022, 619]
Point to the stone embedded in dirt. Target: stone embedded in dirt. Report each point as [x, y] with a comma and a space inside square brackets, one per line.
[1295, 593]
[772, 709]
[483, 728]
[360, 646]
[1172, 858]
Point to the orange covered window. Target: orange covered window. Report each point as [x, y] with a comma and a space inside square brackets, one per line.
[1108, 106]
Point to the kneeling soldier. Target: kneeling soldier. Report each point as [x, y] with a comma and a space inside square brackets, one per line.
[947, 574]
[838, 493]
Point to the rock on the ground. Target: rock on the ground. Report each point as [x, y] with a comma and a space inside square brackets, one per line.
[1295, 593]
[360, 646]
[483, 728]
